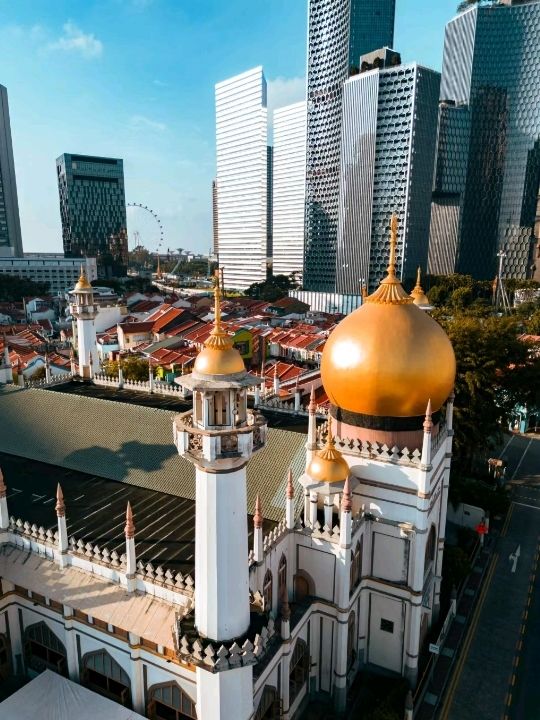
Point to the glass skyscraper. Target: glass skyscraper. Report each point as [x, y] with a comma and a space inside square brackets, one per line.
[10, 226]
[339, 32]
[488, 164]
[242, 178]
[93, 210]
[387, 160]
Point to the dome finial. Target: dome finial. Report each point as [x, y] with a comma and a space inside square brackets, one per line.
[390, 291]
[217, 303]
[418, 295]
[83, 283]
[258, 517]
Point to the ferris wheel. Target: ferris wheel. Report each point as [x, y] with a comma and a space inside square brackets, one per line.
[145, 208]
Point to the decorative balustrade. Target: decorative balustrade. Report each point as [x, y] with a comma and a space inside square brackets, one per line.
[273, 403]
[58, 379]
[157, 386]
[203, 653]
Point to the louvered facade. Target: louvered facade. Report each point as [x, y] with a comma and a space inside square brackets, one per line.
[10, 226]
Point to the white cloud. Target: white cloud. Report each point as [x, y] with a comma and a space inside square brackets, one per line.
[160, 83]
[285, 91]
[141, 122]
[75, 40]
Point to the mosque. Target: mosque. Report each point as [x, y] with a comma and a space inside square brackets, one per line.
[349, 579]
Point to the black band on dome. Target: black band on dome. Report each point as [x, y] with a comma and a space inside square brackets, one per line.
[376, 422]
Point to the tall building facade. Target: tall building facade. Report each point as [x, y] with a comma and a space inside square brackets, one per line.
[242, 167]
[10, 225]
[488, 164]
[339, 31]
[289, 188]
[215, 234]
[387, 158]
[269, 201]
[93, 210]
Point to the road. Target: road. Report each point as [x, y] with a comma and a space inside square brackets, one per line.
[497, 674]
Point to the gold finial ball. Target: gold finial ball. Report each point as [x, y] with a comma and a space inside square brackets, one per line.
[217, 361]
[388, 360]
[328, 465]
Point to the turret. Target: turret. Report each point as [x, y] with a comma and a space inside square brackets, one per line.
[84, 311]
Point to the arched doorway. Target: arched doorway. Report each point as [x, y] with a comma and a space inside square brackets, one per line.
[43, 650]
[104, 675]
[268, 708]
[168, 701]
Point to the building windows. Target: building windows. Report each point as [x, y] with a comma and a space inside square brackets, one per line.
[267, 591]
[5, 664]
[356, 564]
[104, 675]
[169, 702]
[282, 578]
[387, 626]
[299, 670]
[43, 650]
[430, 548]
[269, 705]
[351, 641]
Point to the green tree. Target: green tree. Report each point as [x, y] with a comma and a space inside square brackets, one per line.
[532, 325]
[272, 289]
[14, 289]
[133, 368]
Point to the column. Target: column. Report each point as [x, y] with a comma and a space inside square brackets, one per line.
[62, 552]
[343, 595]
[131, 560]
[258, 552]
[4, 514]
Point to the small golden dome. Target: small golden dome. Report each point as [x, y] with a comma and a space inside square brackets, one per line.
[328, 464]
[218, 357]
[83, 283]
[418, 295]
[388, 357]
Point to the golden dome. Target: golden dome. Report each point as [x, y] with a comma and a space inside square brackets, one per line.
[418, 295]
[218, 357]
[388, 357]
[83, 283]
[328, 464]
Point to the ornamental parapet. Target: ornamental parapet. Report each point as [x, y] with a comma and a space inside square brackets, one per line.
[230, 446]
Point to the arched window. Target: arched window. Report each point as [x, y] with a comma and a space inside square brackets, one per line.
[351, 641]
[282, 576]
[267, 590]
[43, 650]
[356, 564]
[269, 705]
[105, 676]
[299, 670]
[5, 658]
[430, 548]
[168, 701]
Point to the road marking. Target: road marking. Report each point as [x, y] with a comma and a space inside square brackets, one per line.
[521, 459]
[506, 522]
[535, 507]
[468, 640]
[507, 444]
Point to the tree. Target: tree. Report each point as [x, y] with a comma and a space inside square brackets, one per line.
[14, 289]
[532, 325]
[272, 289]
[133, 368]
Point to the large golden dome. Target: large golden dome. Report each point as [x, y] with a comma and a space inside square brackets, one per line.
[82, 283]
[388, 357]
[218, 357]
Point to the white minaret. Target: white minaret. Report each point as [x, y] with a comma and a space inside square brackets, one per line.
[84, 311]
[219, 437]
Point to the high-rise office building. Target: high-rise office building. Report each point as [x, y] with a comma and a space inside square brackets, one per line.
[93, 210]
[269, 199]
[289, 188]
[242, 166]
[339, 32]
[488, 164]
[10, 225]
[215, 234]
[387, 158]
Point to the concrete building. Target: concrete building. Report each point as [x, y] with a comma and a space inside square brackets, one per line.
[339, 32]
[242, 167]
[59, 272]
[10, 224]
[389, 132]
[84, 311]
[289, 188]
[93, 210]
[487, 178]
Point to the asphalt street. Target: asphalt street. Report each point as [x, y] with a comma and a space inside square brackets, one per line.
[497, 675]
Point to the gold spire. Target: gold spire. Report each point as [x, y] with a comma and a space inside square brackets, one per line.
[258, 517]
[218, 338]
[418, 295]
[83, 283]
[390, 291]
[290, 486]
[328, 464]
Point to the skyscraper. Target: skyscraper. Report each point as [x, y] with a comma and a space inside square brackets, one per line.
[387, 159]
[289, 188]
[488, 165]
[215, 235]
[339, 32]
[10, 225]
[93, 210]
[242, 166]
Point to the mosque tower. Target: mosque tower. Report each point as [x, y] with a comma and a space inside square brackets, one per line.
[388, 369]
[219, 436]
[84, 311]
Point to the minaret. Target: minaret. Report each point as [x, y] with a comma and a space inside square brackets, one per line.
[84, 311]
[8, 372]
[4, 514]
[311, 444]
[219, 436]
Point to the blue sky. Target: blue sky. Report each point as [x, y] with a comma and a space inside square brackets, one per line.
[135, 79]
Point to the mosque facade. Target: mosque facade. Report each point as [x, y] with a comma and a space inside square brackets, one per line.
[348, 580]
